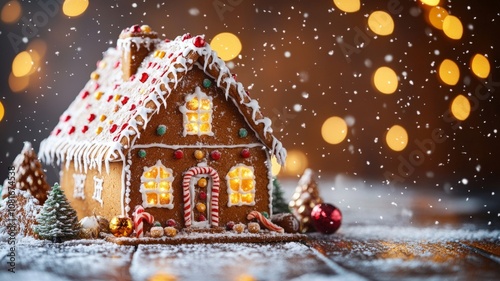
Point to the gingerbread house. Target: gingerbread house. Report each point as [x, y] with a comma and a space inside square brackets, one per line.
[164, 124]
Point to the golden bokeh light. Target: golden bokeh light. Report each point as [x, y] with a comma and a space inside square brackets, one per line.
[74, 8]
[2, 111]
[18, 84]
[348, 6]
[480, 66]
[22, 64]
[385, 80]
[381, 23]
[430, 2]
[452, 27]
[11, 12]
[39, 46]
[460, 107]
[275, 167]
[334, 130]
[449, 72]
[227, 45]
[296, 162]
[436, 16]
[396, 138]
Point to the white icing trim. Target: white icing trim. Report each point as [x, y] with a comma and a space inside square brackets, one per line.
[88, 150]
[181, 146]
[97, 195]
[79, 186]
[270, 185]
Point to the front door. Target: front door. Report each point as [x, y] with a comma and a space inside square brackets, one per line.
[200, 187]
[201, 193]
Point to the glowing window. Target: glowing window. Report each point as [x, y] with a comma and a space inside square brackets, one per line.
[156, 186]
[241, 186]
[197, 113]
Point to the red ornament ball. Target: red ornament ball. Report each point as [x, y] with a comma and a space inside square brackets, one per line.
[326, 218]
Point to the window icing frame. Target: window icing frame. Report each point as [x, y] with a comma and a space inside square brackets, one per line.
[200, 95]
[240, 191]
[145, 191]
[97, 195]
[79, 186]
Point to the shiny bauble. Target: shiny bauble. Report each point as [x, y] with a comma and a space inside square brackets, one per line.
[326, 218]
[121, 226]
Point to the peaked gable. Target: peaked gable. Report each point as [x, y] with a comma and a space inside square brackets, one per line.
[104, 120]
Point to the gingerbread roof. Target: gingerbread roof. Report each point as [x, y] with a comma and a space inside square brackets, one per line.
[110, 113]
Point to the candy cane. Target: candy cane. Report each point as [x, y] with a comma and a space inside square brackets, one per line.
[267, 223]
[139, 216]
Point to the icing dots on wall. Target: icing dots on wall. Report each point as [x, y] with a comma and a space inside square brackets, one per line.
[242, 133]
[161, 130]
[141, 153]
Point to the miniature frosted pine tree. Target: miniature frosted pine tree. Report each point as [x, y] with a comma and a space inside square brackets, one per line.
[58, 220]
[279, 203]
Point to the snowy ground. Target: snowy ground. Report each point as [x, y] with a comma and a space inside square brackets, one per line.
[385, 235]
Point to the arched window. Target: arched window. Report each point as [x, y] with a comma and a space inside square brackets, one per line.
[241, 185]
[197, 113]
[156, 186]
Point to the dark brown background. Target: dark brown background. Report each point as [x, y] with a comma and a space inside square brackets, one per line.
[317, 68]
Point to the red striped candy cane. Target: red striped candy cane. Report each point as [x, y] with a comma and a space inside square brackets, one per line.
[267, 223]
[139, 217]
[187, 194]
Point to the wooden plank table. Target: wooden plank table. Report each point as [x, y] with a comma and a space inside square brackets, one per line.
[386, 238]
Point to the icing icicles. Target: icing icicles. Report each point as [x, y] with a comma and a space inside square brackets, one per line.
[109, 114]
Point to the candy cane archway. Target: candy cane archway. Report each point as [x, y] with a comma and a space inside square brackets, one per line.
[215, 194]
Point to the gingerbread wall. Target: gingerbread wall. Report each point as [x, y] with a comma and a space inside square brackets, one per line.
[111, 192]
[226, 125]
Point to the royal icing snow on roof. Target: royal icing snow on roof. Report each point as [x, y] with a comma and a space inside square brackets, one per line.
[110, 113]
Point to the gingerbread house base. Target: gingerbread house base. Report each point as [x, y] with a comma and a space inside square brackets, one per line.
[205, 238]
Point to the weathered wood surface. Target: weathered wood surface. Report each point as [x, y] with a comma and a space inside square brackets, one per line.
[408, 237]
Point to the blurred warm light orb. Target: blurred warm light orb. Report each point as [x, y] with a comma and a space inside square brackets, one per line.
[385, 80]
[452, 27]
[39, 46]
[227, 45]
[73, 8]
[22, 64]
[460, 107]
[449, 72]
[381, 23]
[436, 16]
[480, 66]
[348, 6]
[2, 111]
[397, 138]
[296, 162]
[334, 130]
[11, 12]
[275, 167]
[430, 2]
[18, 84]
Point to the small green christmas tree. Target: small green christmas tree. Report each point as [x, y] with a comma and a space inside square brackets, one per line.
[57, 221]
[280, 205]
